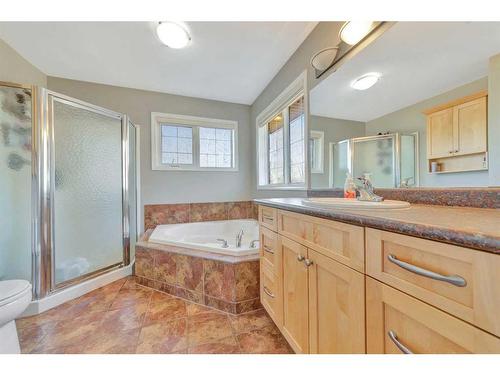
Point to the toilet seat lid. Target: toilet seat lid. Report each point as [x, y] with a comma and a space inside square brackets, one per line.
[9, 289]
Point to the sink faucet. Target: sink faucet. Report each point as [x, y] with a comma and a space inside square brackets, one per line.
[366, 191]
[238, 238]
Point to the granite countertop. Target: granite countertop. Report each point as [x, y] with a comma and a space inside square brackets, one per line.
[477, 228]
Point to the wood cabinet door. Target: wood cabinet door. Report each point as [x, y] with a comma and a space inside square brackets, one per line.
[336, 307]
[399, 323]
[295, 325]
[440, 134]
[470, 127]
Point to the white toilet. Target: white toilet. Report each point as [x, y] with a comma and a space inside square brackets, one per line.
[15, 296]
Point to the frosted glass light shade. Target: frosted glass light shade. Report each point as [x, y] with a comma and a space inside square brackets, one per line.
[173, 35]
[353, 31]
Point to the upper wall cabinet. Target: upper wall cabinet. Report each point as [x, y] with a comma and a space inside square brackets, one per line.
[457, 135]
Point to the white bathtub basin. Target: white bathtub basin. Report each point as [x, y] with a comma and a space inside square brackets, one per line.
[203, 236]
[352, 203]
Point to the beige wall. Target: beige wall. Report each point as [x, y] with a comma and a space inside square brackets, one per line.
[15, 69]
[172, 186]
[494, 120]
[411, 119]
[324, 34]
[335, 130]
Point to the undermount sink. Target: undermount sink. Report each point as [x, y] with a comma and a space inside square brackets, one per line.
[354, 204]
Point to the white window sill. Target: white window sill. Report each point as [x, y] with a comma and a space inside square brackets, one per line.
[282, 187]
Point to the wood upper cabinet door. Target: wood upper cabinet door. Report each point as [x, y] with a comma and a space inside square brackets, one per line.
[470, 127]
[440, 134]
[398, 323]
[295, 295]
[336, 307]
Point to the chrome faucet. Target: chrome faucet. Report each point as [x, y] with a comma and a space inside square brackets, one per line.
[366, 191]
[252, 243]
[238, 238]
[224, 242]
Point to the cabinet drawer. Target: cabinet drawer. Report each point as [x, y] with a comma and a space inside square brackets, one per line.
[268, 217]
[460, 281]
[268, 247]
[270, 294]
[341, 242]
[417, 327]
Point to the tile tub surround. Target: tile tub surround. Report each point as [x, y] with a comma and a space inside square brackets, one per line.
[124, 317]
[462, 197]
[232, 287]
[157, 214]
[476, 228]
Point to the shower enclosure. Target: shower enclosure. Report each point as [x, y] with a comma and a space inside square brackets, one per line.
[390, 159]
[68, 191]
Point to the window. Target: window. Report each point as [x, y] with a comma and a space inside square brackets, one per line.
[193, 143]
[281, 146]
[316, 144]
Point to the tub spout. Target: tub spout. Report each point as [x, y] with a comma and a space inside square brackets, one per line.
[239, 236]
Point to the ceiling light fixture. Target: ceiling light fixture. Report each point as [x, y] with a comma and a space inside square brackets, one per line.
[324, 58]
[353, 31]
[173, 35]
[366, 81]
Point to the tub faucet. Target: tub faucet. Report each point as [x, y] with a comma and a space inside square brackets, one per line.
[366, 191]
[252, 243]
[224, 242]
[238, 238]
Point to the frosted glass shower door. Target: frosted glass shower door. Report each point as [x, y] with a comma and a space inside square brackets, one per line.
[87, 190]
[15, 182]
[376, 155]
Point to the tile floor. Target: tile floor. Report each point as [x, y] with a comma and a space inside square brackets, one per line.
[125, 317]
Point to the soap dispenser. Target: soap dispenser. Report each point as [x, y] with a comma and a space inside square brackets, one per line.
[349, 187]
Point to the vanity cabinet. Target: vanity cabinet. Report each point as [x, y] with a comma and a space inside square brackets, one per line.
[398, 323]
[457, 134]
[320, 306]
[415, 295]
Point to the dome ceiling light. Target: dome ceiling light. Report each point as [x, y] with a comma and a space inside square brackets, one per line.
[173, 35]
[366, 81]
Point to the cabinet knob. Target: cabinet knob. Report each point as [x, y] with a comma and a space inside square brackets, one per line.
[300, 258]
[308, 262]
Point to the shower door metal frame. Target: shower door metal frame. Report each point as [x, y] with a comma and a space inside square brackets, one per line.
[43, 190]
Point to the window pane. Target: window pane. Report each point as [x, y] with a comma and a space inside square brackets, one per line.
[216, 148]
[296, 126]
[169, 131]
[276, 152]
[176, 144]
[207, 133]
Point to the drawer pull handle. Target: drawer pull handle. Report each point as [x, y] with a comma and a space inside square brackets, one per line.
[394, 338]
[268, 249]
[452, 279]
[268, 292]
[300, 258]
[265, 217]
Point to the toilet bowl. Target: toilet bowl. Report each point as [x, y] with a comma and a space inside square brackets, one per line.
[15, 296]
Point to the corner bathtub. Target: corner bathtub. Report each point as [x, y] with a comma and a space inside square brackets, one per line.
[203, 236]
[187, 261]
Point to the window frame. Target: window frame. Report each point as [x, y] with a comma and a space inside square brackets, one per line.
[280, 105]
[195, 123]
[319, 137]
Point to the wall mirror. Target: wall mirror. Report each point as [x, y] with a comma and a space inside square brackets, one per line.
[411, 109]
